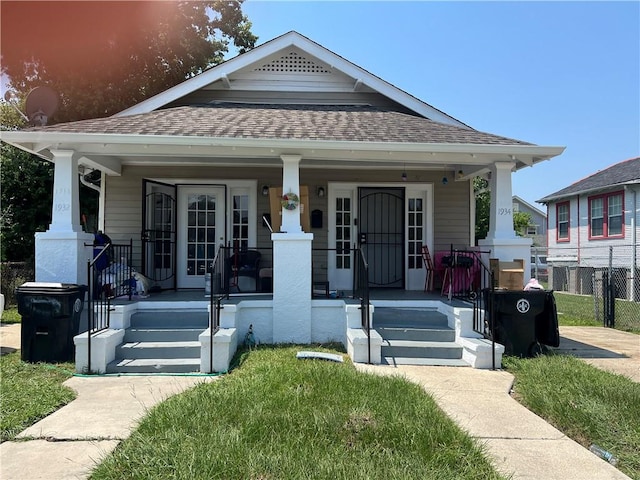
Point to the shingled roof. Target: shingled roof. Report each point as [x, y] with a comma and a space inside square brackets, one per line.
[623, 173]
[297, 122]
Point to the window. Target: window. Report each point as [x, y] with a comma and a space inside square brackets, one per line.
[415, 227]
[240, 216]
[343, 232]
[532, 229]
[562, 222]
[606, 216]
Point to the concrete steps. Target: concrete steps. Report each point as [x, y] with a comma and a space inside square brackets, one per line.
[416, 336]
[161, 341]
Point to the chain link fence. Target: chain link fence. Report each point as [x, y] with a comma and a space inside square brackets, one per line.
[597, 285]
[12, 275]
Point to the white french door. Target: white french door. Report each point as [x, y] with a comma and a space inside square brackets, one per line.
[346, 224]
[201, 229]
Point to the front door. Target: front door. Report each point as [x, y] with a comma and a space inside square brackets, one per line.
[201, 229]
[159, 234]
[381, 235]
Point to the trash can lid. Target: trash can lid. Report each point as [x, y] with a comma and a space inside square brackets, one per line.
[49, 287]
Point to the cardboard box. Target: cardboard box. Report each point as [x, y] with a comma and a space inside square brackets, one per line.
[507, 275]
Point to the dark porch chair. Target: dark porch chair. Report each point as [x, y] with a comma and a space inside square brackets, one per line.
[245, 263]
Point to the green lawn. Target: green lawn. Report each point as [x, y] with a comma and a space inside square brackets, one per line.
[580, 310]
[278, 417]
[11, 315]
[29, 392]
[587, 404]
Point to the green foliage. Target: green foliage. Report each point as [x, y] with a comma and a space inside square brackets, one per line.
[279, 417]
[587, 404]
[11, 315]
[30, 392]
[27, 186]
[483, 203]
[521, 220]
[135, 51]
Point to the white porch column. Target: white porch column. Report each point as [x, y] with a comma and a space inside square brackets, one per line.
[291, 267]
[61, 254]
[501, 239]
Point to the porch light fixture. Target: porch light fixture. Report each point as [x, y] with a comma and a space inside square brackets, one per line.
[265, 190]
[404, 173]
[320, 192]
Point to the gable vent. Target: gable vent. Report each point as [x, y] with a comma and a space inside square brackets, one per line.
[292, 63]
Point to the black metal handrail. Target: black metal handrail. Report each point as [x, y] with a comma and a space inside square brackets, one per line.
[361, 292]
[218, 289]
[107, 279]
[479, 291]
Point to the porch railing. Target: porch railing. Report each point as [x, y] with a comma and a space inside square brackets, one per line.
[361, 292]
[218, 289]
[109, 275]
[473, 282]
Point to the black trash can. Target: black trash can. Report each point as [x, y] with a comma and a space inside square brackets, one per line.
[524, 320]
[50, 319]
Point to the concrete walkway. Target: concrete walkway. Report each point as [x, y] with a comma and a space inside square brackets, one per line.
[71, 441]
[519, 442]
[605, 348]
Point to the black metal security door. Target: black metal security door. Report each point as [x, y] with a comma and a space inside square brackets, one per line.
[159, 234]
[381, 235]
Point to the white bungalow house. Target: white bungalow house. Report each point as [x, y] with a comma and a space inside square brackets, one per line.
[371, 164]
[593, 225]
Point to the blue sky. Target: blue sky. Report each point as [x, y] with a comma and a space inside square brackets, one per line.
[550, 73]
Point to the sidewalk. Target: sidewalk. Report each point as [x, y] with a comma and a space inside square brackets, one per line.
[68, 443]
[519, 442]
[71, 441]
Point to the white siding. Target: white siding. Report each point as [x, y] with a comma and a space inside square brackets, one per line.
[123, 201]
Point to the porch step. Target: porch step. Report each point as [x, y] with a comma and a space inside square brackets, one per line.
[162, 334]
[160, 350]
[194, 318]
[416, 336]
[154, 365]
[425, 362]
[409, 317]
[419, 349]
[427, 334]
[161, 341]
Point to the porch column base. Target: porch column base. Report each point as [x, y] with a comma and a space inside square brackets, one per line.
[358, 346]
[507, 250]
[292, 287]
[103, 350]
[225, 344]
[61, 257]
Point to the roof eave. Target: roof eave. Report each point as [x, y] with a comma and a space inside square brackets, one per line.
[552, 198]
[523, 155]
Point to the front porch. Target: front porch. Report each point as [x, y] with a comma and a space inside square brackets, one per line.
[169, 332]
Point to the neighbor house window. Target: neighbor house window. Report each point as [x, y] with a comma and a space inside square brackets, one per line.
[532, 230]
[562, 222]
[606, 216]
